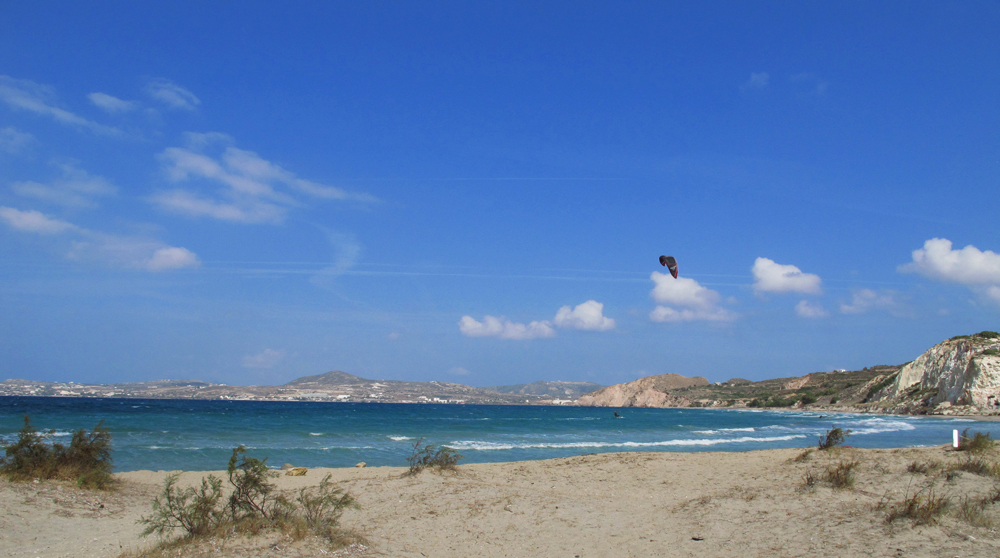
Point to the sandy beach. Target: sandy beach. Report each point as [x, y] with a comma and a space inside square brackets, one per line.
[600, 505]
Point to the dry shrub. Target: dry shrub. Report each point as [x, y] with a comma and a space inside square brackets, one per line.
[809, 480]
[974, 512]
[841, 476]
[977, 466]
[978, 442]
[927, 468]
[923, 508]
[804, 456]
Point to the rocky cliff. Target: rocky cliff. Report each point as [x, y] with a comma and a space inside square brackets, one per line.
[963, 370]
[651, 391]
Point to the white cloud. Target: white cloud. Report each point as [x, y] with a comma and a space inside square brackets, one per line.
[242, 211]
[253, 190]
[14, 141]
[968, 266]
[866, 299]
[346, 252]
[172, 95]
[76, 188]
[808, 309]
[171, 258]
[33, 221]
[667, 314]
[91, 246]
[112, 104]
[504, 329]
[756, 81]
[777, 278]
[697, 303]
[21, 94]
[458, 371]
[130, 252]
[588, 316]
[267, 359]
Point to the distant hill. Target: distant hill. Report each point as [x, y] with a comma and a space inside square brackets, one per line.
[651, 391]
[556, 390]
[959, 376]
[334, 378]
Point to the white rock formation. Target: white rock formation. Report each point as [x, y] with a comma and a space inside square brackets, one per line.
[964, 371]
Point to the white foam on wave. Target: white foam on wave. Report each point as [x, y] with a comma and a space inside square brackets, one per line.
[491, 446]
[878, 426]
[400, 438]
[718, 430]
[59, 433]
[315, 433]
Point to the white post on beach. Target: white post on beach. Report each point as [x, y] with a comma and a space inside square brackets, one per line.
[954, 438]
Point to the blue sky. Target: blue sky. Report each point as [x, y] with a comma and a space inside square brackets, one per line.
[478, 192]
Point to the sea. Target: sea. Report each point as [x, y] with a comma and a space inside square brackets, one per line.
[164, 434]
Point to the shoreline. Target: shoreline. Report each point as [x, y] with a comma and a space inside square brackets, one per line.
[753, 503]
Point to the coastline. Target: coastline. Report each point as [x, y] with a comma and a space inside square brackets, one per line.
[754, 503]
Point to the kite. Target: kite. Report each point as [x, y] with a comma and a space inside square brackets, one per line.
[671, 264]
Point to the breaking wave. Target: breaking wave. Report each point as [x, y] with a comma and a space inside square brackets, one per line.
[480, 445]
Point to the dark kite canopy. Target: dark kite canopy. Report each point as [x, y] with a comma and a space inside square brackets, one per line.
[670, 263]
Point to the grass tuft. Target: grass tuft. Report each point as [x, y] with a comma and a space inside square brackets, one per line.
[841, 476]
[922, 508]
[928, 468]
[978, 442]
[974, 512]
[977, 466]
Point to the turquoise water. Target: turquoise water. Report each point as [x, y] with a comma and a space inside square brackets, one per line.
[200, 435]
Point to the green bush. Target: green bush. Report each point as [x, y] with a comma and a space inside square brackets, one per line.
[323, 506]
[987, 335]
[252, 506]
[252, 489]
[807, 399]
[194, 511]
[87, 460]
[833, 438]
[430, 456]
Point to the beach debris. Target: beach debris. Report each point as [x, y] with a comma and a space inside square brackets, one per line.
[670, 264]
[361, 464]
[296, 472]
[697, 538]
[287, 466]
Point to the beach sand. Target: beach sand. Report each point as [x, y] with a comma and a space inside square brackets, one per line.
[743, 505]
